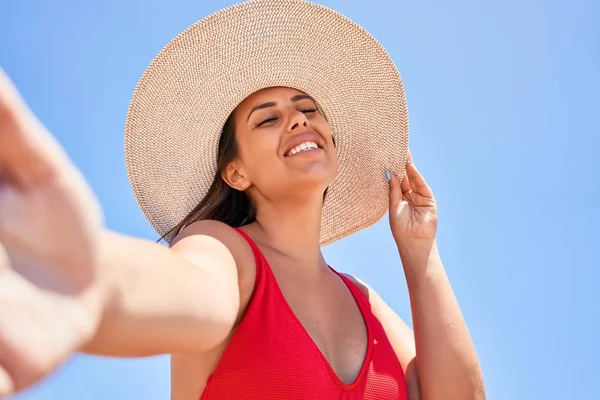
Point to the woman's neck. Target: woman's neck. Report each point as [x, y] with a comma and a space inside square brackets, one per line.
[292, 229]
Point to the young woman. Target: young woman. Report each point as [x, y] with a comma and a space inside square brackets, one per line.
[255, 137]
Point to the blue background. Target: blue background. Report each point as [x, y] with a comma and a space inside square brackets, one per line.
[503, 102]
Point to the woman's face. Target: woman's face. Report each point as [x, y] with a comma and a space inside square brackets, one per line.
[285, 145]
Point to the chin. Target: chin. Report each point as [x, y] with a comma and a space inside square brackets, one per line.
[315, 179]
[310, 175]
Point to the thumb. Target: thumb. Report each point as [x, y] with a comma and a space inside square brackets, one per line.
[395, 189]
[28, 153]
[6, 383]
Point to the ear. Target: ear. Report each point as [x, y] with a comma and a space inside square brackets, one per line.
[234, 177]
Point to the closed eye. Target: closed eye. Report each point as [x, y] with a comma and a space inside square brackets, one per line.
[268, 120]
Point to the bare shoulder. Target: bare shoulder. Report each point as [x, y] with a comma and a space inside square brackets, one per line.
[398, 332]
[217, 230]
[374, 299]
[379, 306]
[222, 242]
[364, 288]
[189, 372]
[215, 236]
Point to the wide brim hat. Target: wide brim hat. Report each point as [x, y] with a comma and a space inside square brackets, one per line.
[185, 95]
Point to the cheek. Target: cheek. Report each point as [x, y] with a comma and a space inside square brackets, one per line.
[259, 153]
[323, 126]
[331, 140]
[333, 156]
[335, 161]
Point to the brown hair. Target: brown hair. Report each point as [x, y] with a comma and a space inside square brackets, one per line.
[221, 203]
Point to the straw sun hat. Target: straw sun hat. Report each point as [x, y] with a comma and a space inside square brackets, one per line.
[187, 92]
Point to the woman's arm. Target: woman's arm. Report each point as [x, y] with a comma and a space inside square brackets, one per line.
[182, 299]
[399, 334]
[446, 361]
[438, 358]
[67, 285]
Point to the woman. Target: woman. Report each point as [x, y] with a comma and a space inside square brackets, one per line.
[242, 299]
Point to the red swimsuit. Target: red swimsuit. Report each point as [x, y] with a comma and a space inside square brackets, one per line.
[272, 356]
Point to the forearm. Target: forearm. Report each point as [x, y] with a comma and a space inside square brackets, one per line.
[446, 361]
[157, 301]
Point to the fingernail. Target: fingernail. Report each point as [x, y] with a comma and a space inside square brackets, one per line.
[387, 175]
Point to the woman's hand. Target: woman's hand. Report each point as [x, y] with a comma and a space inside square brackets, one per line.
[413, 210]
[51, 291]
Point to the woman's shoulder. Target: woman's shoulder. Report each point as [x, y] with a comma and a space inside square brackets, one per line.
[216, 231]
[359, 283]
[208, 227]
[218, 237]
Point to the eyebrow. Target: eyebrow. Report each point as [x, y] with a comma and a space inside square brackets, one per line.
[297, 97]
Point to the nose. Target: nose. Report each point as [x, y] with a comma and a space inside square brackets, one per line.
[297, 120]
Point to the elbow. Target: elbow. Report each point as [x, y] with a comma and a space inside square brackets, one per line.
[478, 384]
[480, 392]
[470, 393]
[476, 390]
[471, 388]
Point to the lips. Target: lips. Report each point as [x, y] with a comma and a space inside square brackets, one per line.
[302, 138]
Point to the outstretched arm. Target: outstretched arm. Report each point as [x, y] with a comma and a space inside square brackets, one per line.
[185, 299]
[67, 284]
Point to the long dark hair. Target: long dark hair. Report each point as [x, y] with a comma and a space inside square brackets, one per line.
[221, 203]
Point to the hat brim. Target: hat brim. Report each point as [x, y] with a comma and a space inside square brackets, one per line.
[184, 97]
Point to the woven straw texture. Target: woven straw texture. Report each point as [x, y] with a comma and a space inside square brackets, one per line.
[181, 102]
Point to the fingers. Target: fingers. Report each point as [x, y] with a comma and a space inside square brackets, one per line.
[405, 184]
[406, 181]
[412, 180]
[6, 383]
[416, 180]
[395, 189]
[28, 153]
[4, 262]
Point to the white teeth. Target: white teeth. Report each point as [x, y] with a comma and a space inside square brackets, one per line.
[302, 147]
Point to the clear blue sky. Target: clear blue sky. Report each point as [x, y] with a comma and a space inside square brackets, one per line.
[503, 102]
